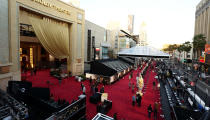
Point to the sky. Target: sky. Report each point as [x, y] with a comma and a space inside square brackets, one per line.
[167, 21]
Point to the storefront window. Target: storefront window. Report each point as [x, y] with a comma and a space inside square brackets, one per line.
[122, 43]
[97, 54]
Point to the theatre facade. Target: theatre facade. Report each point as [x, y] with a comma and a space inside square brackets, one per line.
[35, 33]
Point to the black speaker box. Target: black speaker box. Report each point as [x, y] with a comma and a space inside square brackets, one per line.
[15, 86]
[41, 93]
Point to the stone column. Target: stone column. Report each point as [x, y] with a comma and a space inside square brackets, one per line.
[208, 26]
[196, 26]
[75, 63]
[14, 38]
[199, 24]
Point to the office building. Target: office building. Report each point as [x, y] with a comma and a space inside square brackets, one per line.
[143, 35]
[97, 42]
[202, 25]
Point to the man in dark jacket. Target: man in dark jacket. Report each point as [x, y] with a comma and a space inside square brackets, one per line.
[149, 110]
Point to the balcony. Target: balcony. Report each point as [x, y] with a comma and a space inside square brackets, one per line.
[27, 30]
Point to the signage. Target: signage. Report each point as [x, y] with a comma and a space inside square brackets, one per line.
[97, 49]
[207, 48]
[47, 4]
[73, 111]
[207, 54]
[202, 59]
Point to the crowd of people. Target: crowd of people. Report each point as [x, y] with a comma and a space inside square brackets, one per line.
[94, 86]
[136, 95]
[137, 98]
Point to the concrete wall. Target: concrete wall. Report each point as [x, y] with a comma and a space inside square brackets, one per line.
[5, 62]
[97, 31]
[4, 32]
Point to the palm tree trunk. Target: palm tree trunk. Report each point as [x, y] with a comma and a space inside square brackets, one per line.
[198, 55]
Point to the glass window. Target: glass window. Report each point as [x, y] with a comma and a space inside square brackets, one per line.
[105, 53]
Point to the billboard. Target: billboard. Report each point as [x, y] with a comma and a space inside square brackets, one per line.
[207, 54]
[130, 23]
[207, 48]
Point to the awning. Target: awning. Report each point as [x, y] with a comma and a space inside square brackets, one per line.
[143, 51]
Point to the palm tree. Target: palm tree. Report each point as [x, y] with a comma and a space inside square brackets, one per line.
[187, 47]
[170, 49]
[180, 50]
[199, 42]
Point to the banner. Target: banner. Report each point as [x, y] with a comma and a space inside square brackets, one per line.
[207, 48]
[207, 54]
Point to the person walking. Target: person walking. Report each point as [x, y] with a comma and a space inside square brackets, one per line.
[32, 72]
[140, 97]
[137, 98]
[129, 84]
[149, 110]
[96, 88]
[133, 100]
[35, 70]
[93, 89]
[129, 77]
[132, 87]
[153, 85]
[131, 74]
[102, 89]
[90, 80]
[104, 82]
[137, 81]
[84, 90]
[81, 85]
[155, 110]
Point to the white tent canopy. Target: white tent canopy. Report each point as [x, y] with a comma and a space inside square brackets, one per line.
[145, 51]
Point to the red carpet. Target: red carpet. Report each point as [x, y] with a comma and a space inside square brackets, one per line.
[118, 93]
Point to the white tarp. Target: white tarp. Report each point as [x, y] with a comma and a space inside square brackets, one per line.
[143, 51]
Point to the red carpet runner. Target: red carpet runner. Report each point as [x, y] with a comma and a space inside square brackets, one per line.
[119, 93]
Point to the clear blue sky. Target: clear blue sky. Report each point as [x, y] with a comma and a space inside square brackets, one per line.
[168, 21]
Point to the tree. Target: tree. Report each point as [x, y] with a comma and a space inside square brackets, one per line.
[180, 50]
[187, 47]
[199, 42]
[171, 48]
